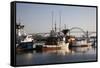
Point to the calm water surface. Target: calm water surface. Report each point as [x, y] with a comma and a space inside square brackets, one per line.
[74, 54]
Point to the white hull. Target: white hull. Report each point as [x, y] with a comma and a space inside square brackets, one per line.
[61, 45]
[82, 43]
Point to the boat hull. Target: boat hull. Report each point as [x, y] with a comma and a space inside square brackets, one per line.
[53, 47]
[30, 46]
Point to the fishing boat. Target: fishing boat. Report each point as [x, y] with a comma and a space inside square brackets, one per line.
[23, 40]
[53, 43]
[26, 44]
[56, 41]
[82, 43]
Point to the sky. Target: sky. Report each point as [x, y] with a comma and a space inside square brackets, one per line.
[37, 18]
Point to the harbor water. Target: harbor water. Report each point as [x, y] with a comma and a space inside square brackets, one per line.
[73, 54]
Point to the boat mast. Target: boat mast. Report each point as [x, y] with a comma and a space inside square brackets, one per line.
[19, 27]
[64, 26]
[52, 21]
[59, 21]
[55, 26]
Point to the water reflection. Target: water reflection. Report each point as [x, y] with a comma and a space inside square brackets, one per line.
[73, 54]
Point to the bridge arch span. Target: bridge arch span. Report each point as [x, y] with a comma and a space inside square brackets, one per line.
[73, 28]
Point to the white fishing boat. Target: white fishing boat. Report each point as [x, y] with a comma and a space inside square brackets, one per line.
[24, 41]
[82, 43]
[55, 41]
